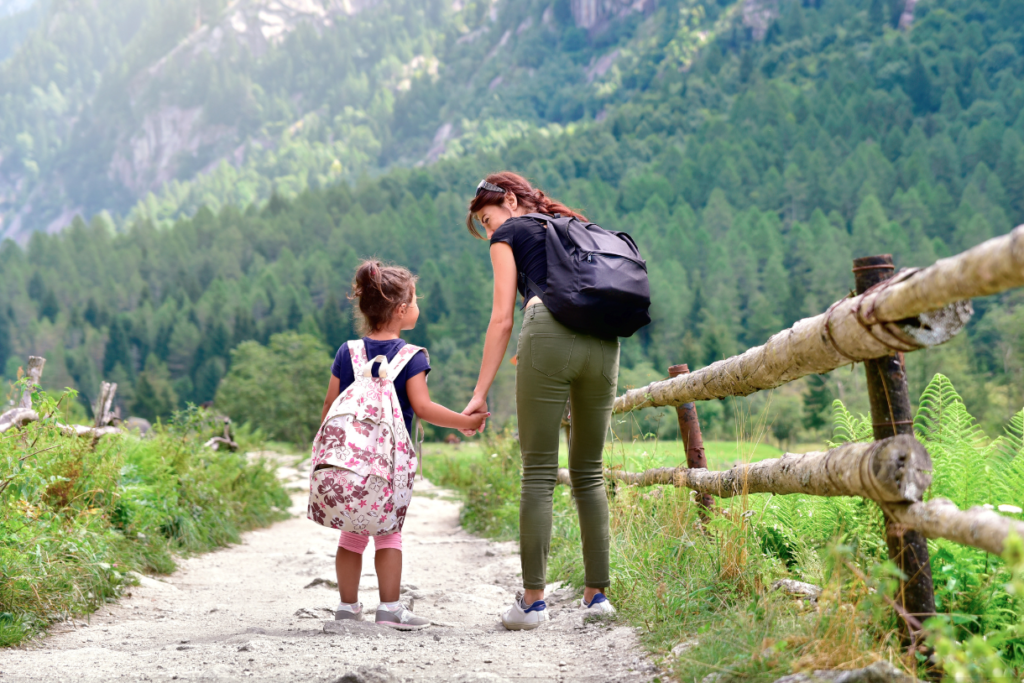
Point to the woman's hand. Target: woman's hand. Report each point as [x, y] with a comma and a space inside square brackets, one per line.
[476, 405]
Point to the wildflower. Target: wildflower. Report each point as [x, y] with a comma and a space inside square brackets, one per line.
[1013, 509]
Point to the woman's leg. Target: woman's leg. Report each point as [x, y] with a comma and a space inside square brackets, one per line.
[591, 397]
[348, 564]
[387, 559]
[542, 388]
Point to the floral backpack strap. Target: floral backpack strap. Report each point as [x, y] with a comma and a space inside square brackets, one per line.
[402, 358]
[357, 353]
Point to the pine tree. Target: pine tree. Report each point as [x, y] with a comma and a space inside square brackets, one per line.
[817, 403]
[118, 349]
[919, 85]
[334, 323]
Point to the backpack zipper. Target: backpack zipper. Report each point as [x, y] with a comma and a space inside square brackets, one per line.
[590, 257]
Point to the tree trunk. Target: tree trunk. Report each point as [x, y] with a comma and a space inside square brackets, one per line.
[34, 373]
[103, 410]
[914, 310]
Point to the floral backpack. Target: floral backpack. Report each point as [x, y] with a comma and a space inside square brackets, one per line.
[364, 462]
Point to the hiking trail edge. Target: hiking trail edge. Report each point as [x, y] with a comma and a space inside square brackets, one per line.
[249, 612]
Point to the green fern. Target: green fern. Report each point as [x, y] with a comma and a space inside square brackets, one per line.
[847, 428]
[1009, 463]
[963, 458]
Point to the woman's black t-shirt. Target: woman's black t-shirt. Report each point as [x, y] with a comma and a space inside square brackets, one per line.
[529, 247]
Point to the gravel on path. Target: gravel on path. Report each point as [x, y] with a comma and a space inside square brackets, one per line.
[256, 611]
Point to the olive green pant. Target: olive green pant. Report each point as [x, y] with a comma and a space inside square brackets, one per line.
[557, 364]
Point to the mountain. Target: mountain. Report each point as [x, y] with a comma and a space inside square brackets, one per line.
[752, 148]
[207, 102]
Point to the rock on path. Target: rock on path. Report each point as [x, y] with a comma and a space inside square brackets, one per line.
[244, 613]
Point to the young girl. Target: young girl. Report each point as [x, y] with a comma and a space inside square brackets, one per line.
[387, 304]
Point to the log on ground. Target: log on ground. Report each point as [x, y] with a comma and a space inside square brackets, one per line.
[894, 470]
[17, 418]
[913, 310]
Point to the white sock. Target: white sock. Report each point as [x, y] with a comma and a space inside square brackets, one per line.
[391, 606]
[349, 606]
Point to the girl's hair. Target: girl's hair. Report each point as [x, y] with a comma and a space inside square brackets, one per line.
[380, 290]
[529, 197]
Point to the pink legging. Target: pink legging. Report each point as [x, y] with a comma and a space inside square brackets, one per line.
[356, 543]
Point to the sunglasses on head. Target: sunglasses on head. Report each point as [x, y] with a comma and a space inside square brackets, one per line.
[490, 187]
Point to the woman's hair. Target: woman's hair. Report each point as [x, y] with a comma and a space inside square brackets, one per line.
[380, 290]
[529, 197]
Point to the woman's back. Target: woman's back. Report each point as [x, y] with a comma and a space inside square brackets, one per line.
[526, 236]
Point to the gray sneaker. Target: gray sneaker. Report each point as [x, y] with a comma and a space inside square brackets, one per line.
[402, 619]
[345, 612]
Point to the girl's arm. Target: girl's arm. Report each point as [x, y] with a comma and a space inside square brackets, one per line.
[499, 331]
[428, 411]
[333, 389]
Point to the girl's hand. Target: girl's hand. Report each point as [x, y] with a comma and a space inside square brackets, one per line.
[477, 421]
[475, 405]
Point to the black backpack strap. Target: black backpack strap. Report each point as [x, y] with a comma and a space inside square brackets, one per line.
[537, 291]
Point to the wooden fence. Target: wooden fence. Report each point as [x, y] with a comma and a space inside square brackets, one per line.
[891, 314]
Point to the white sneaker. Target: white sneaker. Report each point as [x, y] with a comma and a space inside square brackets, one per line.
[523, 617]
[346, 612]
[598, 606]
[401, 619]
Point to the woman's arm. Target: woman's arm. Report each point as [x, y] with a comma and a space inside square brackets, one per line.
[333, 389]
[499, 331]
[435, 414]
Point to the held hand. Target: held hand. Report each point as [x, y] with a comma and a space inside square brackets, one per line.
[476, 406]
[477, 420]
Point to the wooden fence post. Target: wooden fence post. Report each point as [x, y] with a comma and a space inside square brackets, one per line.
[891, 415]
[693, 442]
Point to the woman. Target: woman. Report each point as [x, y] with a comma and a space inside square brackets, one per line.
[555, 364]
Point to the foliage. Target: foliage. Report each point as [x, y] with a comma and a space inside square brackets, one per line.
[76, 520]
[278, 388]
[750, 172]
[677, 583]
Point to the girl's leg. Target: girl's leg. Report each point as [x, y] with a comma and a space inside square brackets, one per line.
[388, 562]
[348, 563]
[591, 397]
[542, 388]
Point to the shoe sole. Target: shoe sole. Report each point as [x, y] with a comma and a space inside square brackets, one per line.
[398, 626]
[517, 626]
[350, 617]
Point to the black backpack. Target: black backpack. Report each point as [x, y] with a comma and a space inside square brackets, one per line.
[597, 282]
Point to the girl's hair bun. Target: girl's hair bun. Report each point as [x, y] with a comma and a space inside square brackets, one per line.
[380, 290]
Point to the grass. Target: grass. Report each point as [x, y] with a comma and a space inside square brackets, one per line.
[638, 455]
[76, 519]
[677, 581]
[706, 587]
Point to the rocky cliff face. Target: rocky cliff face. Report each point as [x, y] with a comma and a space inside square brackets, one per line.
[758, 15]
[593, 14]
[149, 156]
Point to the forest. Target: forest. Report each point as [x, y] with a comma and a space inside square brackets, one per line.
[750, 171]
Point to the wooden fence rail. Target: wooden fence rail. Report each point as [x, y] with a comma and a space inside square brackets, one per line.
[913, 310]
[894, 472]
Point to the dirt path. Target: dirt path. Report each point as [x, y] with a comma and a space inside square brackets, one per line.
[248, 612]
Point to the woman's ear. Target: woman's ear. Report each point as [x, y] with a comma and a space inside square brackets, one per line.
[511, 201]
